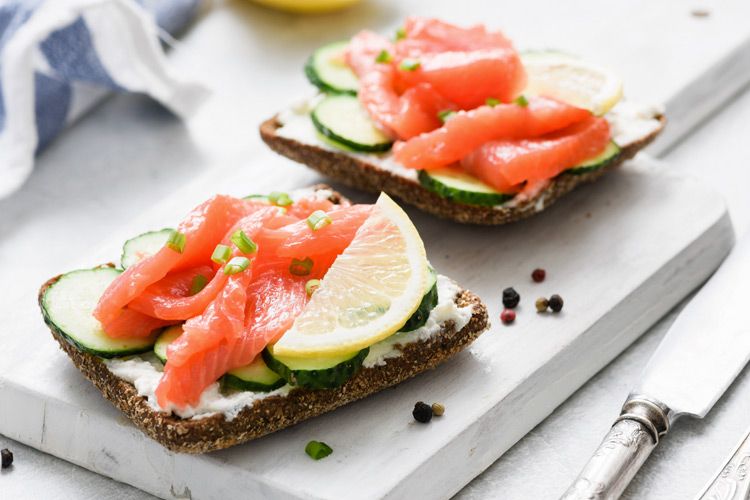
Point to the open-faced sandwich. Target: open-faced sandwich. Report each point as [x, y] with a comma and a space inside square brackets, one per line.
[257, 313]
[458, 123]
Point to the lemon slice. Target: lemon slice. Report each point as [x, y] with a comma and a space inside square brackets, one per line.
[369, 292]
[571, 80]
[307, 6]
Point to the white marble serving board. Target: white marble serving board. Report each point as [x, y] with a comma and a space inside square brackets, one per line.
[621, 252]
[119, 159]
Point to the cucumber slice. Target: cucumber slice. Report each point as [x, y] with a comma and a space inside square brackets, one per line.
[610, 153]
[142, 246]
[342, 119]
[327, 70]
[461, 187]
[429, 301]
[256, 377]
[67, 307]
[166, 338]
[316, 373]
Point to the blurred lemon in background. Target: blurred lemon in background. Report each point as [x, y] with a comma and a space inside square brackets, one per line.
[307, 6]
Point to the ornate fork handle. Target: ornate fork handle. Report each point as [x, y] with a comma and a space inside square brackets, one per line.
[733, 481]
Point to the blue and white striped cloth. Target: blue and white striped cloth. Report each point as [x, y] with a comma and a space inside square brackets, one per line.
[59, 57]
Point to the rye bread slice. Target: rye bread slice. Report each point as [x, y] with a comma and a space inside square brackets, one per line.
[274, 412]
[358, 173]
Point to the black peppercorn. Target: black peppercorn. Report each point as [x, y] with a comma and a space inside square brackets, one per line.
[7, 457]
[510, 298]
[556, 303]
[422, 412]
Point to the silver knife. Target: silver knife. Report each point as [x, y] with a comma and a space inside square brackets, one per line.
[733, 480]
[699, 357]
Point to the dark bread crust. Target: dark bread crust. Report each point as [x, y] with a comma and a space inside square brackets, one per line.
[275, 412]
[356, 173]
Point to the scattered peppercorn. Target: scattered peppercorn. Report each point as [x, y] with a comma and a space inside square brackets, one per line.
[510, 298]
[437, 409]
[556, 303]
[538, 275]
[508, 316]
[541, 305]
[422, 412]
[7, 457]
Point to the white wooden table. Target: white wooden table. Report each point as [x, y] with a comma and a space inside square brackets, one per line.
[62, 196]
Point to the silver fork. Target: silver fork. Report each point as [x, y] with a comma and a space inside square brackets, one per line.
[733, 480]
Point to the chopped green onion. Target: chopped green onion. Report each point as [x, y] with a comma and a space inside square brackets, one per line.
[243, 242]
[492, 102]
[280, 199]
[409, 65]
[256, 197]
[177, 241]
[236, 265]
[199, 283]
[311, 286]
[522, 101]
[445, 114]
[317, 450]
[318, 220]
[221, 254]
[400, 34]
[301, 267]
[383, 57]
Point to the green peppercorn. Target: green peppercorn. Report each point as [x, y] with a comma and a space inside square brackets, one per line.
[556, 303]
[422, 412]
[541, 305]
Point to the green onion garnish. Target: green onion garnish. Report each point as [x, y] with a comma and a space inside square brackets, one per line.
[400, 34]
[492, 102]
[383, 57]
[301, 267]
[280, 199]
[311, 286]
[256, 197]
[317, 450]
[199, 283]
[318, 220]
[409, 65]
[236, 265]
[177, 241]
[445, 114]
[243, 242]
[221, 254]
[522, 101]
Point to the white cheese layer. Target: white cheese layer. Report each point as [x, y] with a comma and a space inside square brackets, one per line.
[145, 371]
[629, 124]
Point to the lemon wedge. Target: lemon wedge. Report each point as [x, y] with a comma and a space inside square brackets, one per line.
[307, 6]
[572, 80]
[369, 292]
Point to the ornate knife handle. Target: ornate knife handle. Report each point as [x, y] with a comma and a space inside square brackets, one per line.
[733, 481]
[627, 445]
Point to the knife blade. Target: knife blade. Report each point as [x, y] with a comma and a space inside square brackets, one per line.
[702, 353]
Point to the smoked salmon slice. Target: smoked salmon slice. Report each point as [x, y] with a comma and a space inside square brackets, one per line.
[468, 130]
[404, 114]
[203, 227]
[508, 163]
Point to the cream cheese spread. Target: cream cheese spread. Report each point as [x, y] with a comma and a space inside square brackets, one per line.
[144, 371]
